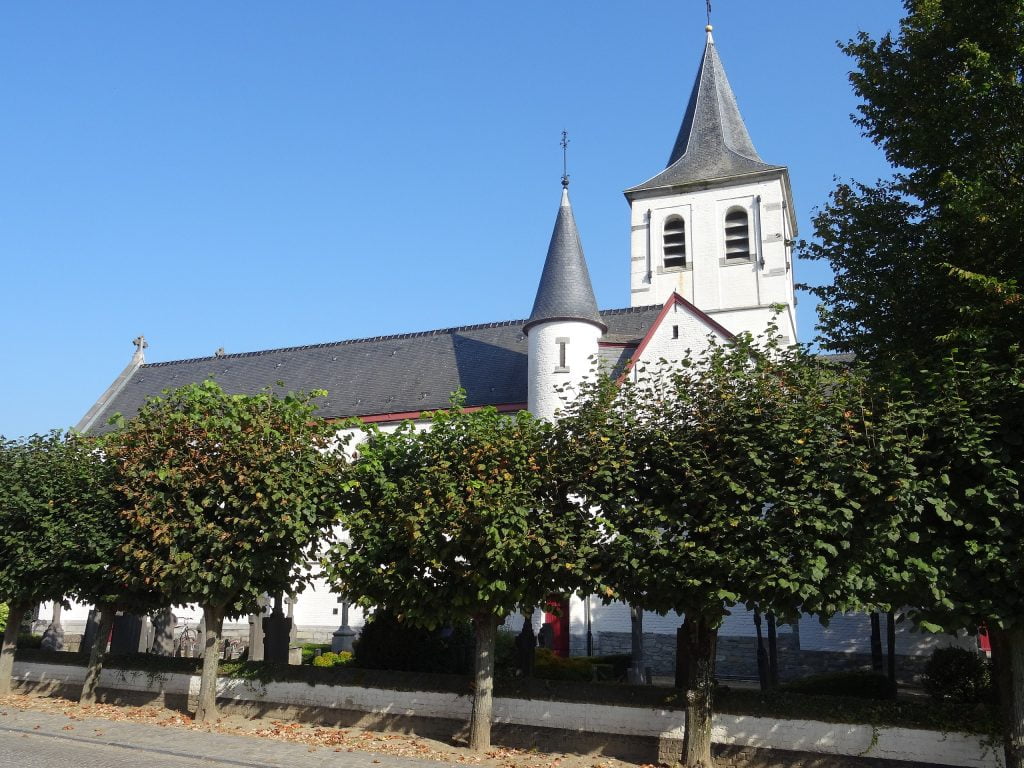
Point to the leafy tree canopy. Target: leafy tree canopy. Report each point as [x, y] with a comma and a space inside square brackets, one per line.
[460, 520]
[225, 494]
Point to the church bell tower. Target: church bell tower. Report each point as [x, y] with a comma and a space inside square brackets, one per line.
[717, 224]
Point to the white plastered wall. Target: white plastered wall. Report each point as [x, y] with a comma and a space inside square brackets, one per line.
[709, 280]
[546, 374]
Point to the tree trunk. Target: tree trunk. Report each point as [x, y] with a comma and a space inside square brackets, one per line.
[206, 708]
[773, 651]
[1008, 648]
[682, 660]
[96, 656]
[483, 691]
[14, 616]
[890, 647]
[877, 663]
[701, 640]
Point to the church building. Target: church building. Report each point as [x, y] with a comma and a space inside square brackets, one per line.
[710, 256]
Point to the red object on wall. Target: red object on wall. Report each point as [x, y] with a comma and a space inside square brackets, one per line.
[983, 640]
[559, 625]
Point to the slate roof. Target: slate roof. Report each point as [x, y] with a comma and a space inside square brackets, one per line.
[713, 142]
[565, 292]
[404, 373]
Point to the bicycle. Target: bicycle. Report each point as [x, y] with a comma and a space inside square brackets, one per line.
[187, 641]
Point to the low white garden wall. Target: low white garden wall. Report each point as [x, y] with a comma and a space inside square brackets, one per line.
[739, 730]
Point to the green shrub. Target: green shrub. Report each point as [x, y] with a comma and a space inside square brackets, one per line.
[549, 666]
[506, 660]
[309, 651]
[613, 666]
[331, 659]
[387, 643]
[3, 616]
[860, 685]
[26, 640]
[958, 675]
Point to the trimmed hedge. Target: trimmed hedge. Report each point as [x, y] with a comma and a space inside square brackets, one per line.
[923, 713]
[859, 685]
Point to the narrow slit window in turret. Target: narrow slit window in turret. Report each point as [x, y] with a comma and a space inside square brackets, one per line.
[675, 241]
[737, 234]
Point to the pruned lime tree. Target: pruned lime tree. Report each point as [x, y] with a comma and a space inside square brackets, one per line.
[52, 491]
[107, 576]
[227, 497]
[734, 477]
[460, 521]
[926, 291]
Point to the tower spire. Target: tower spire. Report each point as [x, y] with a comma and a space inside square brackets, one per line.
[565, 291]
[713, 142]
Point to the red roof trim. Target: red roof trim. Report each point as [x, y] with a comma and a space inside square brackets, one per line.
[673, 300]
[378, 418]
[617, 343]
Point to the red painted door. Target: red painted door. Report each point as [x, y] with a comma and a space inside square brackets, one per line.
[559, 622]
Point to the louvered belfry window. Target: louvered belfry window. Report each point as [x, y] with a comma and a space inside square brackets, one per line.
[737, 234]
[675, 241]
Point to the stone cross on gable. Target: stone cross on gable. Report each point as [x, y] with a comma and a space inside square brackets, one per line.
[140, 346]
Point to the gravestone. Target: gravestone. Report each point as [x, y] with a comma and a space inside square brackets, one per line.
[526, 646]
[277, 629]
[162, 643]
[344, 636]
[128, 634]
[53, 636]
[92, 626]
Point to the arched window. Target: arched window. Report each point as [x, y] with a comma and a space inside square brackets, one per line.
[737, 234]
[675, 241]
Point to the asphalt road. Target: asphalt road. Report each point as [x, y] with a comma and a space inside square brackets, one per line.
[34, 751]
[30, 739]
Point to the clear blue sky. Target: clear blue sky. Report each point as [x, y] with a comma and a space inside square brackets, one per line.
[254, 174]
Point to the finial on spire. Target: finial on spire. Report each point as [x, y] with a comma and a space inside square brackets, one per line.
[140, 346]
[565, 160]
[708, 28]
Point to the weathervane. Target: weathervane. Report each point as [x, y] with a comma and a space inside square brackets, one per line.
[565, 159]
[708, 2]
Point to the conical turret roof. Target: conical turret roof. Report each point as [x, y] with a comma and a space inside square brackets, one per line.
[713, 142]
[565, 292]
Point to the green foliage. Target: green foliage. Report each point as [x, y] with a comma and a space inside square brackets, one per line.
[461, 521]
[933, 253]
[3, 616]
[389, 643]
[309, 651]
[227, 495]
[860, 685]
[959, 675]
[746, 473]
[331, 659]
[26, 640]
[54, 499]
[549, 666]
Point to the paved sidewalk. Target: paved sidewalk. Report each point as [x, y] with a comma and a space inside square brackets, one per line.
[126, 743]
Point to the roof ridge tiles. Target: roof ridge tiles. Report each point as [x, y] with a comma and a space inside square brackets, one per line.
[389, 337]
